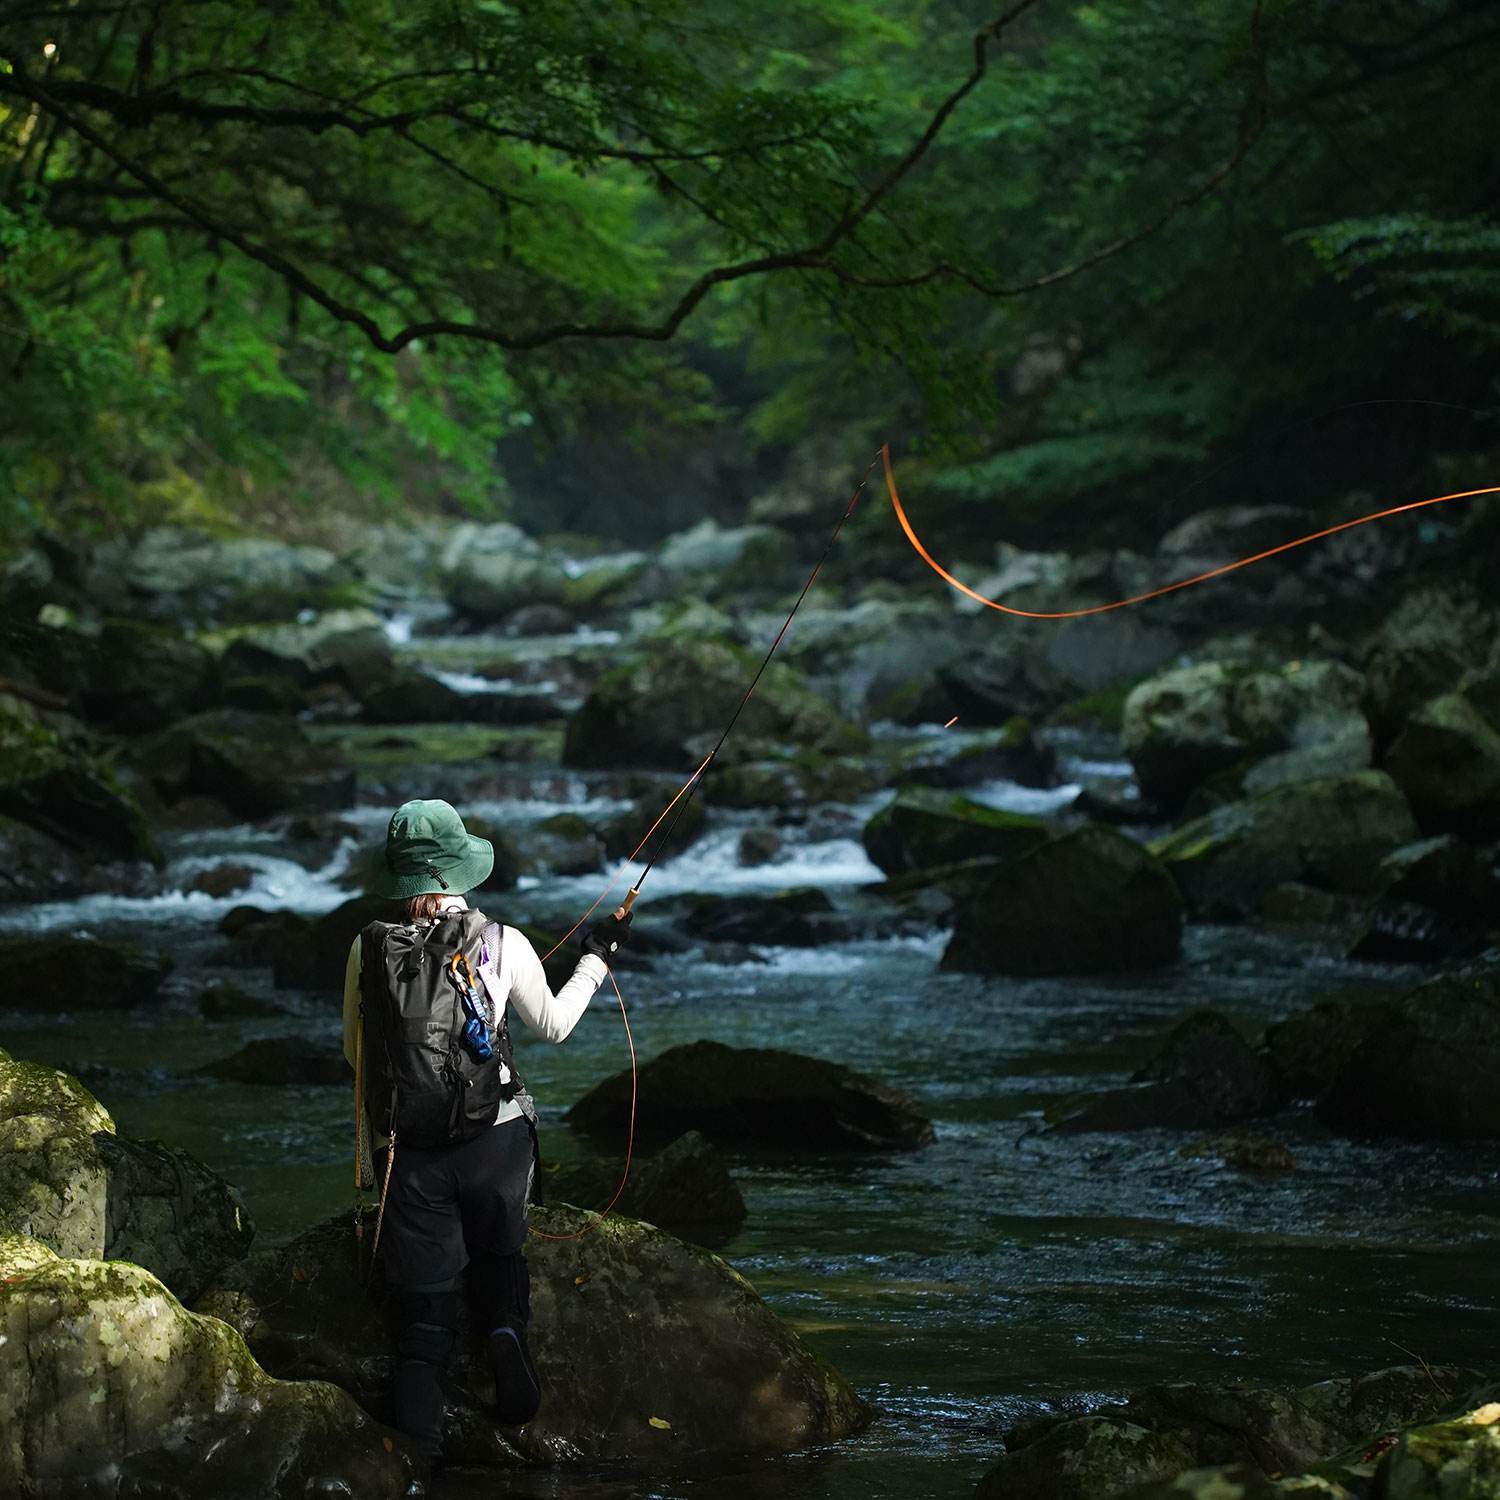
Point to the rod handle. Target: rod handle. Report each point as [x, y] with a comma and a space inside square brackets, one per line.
[629, 901]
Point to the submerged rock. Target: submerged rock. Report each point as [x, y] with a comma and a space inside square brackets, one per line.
[1090, 901]
[649, 1350]
[922, 828]
[67, 1180]
[282, 1060]
[685, 1188]
[754, 1097]
[1330, 833]
[108, 1386]
[255, 764]
[78, 973]
[655, 710]
[1205, 1074]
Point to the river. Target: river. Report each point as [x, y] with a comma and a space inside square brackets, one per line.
[960, 1287]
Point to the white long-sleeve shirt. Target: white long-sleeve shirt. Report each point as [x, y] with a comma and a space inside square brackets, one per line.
[521, 981]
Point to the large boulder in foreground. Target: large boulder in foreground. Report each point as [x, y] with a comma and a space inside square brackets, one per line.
[1185, 724]
[1092, 901]
[922, 828]
[1331, 833]
[668, 708]
[108, 1386]
[649, 1350]
[256, 764]
[754, 1097]
[69, 1181]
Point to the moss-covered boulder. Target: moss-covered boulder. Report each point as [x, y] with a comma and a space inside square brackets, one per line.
[78, 973]
[490, 571]
[256, 764]
[649, 1350]
[68, 1180]
[108, 1386]
[1299, 721]
[1089, 901]
[1089, 1458]
[346, 646]
[1447, 761]
[667, 708]
[1454, 1460]
[141, 677]
[1364, 1408]
[754, 1096]
[921, 828]
[58, 786]
[1331, 833]
[801, 918]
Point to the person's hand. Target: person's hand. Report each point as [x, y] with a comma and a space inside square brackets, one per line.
[606, 938]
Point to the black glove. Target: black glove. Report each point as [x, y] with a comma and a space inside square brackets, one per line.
[606, 938]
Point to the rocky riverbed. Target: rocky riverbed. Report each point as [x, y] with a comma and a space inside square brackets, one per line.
[1013, 1167]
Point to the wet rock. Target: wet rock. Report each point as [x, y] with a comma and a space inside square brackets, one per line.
[54, 784]
[685, 1188]
[1225, 534]
[173, 574]
[742, 1097]
[346, 646]
[1402, 932]
[1205, 1074]
[649, 1350]
[803, 918]
[604, 582]
[264, 695]
[1447, 875]
[1235, 1482]
[1087, 1458]
[540, 619]
[230, 1002]
[623, 832]
[1245, 1153]
[309, 955]
[1090, 901]
[1365, 1408]
[1234, 1424]
[36, 867]
[78, 973]
[1303, 905]
[708, 560]
[68, 1180]
[1007, 679]
[922, 828]
[1012, 753]
[144, 677]
[488, 571]
[652, 711]
[410, 696]
[1447, 761]
[775, 783]
[1296, 722]
[1456, 1458]
[223, 880]
[1329, 833]
[256, 764]
[1427, 1068]
[181, 1409]
[1312, 1050]
[564, 844]
[1399, 682]
[282, 1060]
[758, 846]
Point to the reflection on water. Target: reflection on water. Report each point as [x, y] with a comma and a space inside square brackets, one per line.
[958, 1287]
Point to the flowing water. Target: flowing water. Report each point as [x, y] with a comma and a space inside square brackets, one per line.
[959, 1287]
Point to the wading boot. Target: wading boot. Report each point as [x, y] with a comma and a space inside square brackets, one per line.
[500, 1290]
[425, 1328]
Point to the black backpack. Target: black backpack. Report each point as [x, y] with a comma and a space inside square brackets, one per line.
[425, 1084]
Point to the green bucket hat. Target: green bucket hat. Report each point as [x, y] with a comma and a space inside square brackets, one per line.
[428, 849]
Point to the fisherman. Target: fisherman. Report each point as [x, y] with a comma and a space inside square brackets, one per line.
[453, 1129]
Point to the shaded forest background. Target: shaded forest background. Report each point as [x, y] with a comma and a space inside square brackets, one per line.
[605, 268]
